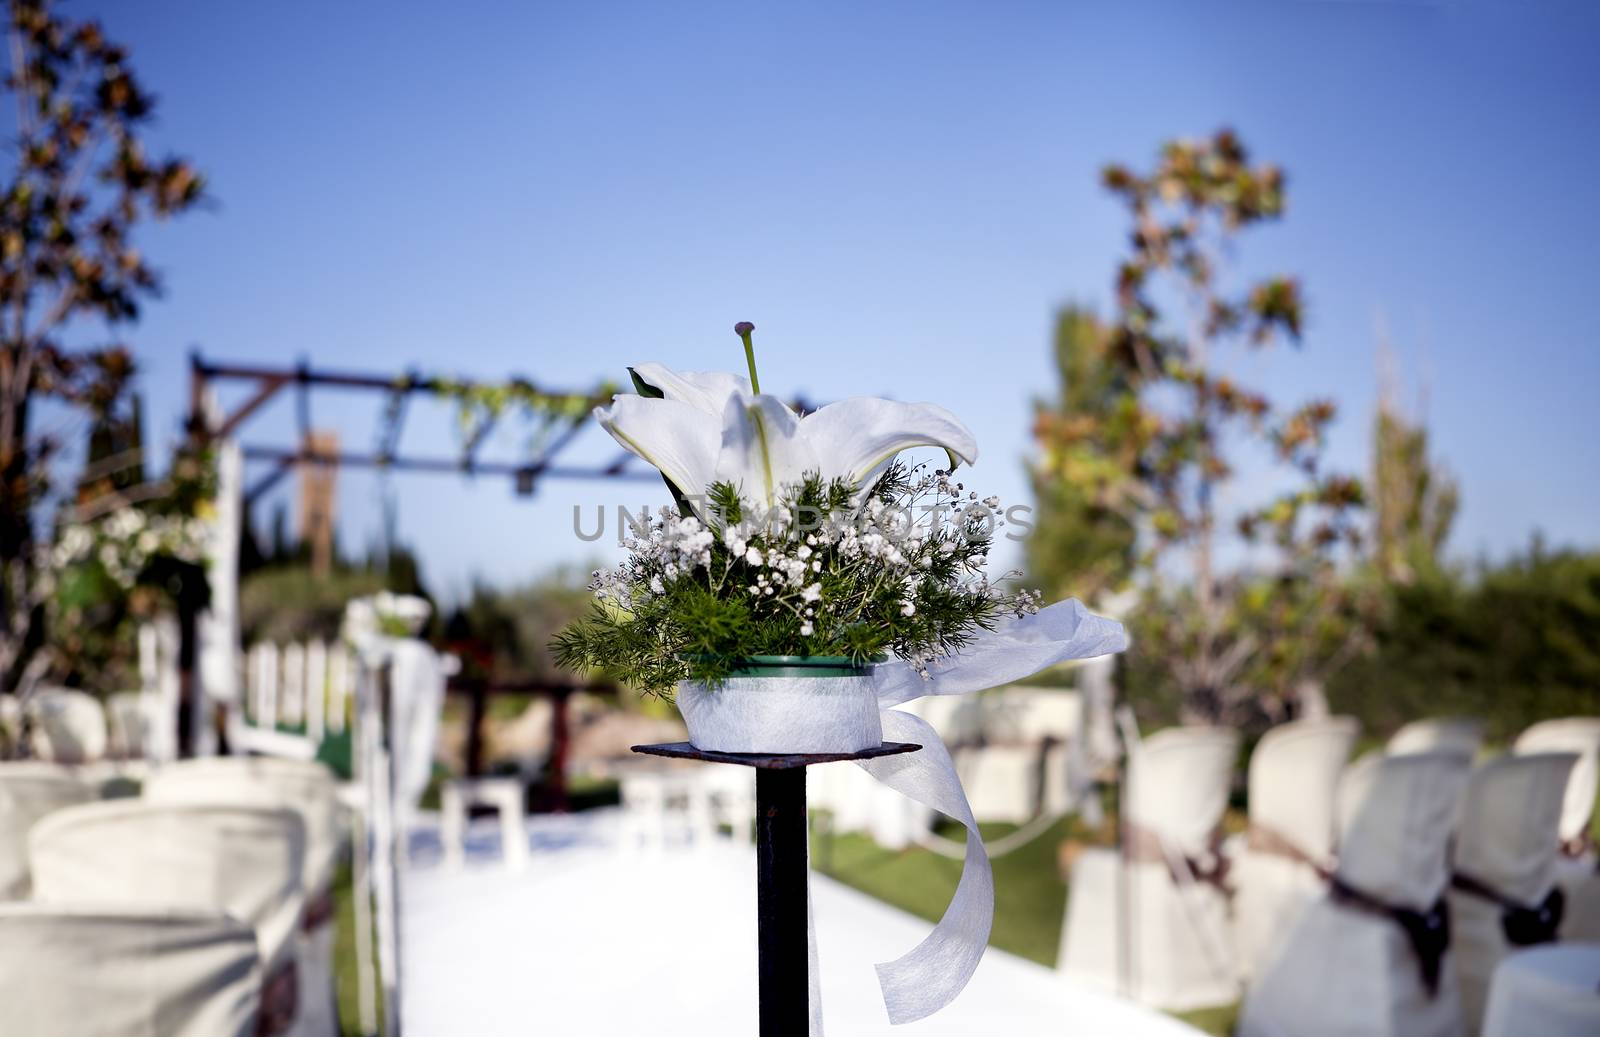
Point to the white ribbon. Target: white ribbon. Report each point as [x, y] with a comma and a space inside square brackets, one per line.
[931, 974]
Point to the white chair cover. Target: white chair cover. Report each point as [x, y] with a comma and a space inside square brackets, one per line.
[77, 971]
[1507, 841]
[1578, 868]
[1018, 750]
[310, 790]
[417, 684]
[1178, 953]
[1580, 735]
[1355, 785]
[1462, 734]
[1581, 883]
[1551, 991]
[1346, 972]
[29, 791]
[1020, 713]
[305, 786]
[1178, 782]
[858, 803]
[1294, 780]
[1032, 759]
[68, 725]
[129, 724]
[244, 861]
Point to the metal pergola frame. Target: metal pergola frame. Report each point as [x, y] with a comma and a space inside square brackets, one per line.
[269, 381]
[204, 425]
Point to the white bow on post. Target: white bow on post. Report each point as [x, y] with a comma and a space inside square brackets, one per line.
[930, 975]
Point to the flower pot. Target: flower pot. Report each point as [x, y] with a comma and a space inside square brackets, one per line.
[785, 704]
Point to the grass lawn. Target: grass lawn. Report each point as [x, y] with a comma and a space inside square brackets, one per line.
[344, 955]
[1029, 898]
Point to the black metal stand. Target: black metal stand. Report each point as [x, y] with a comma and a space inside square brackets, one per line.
[781, 908]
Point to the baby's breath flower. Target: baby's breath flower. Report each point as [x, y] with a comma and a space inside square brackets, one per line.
[749, 586]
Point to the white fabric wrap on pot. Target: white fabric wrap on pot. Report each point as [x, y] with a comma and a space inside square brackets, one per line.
[782, 715]
[826, 714]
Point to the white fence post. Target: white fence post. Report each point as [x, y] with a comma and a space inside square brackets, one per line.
[316, 690]
[269, 687]
[293, 682]
[339, 669]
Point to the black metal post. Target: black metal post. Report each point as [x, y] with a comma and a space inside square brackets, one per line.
[782, 914]
[781, 901]
[191, 698]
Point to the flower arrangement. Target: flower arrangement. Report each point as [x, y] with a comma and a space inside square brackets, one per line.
[780, 548]
[384, 614]
[125, 541]
[809, 582]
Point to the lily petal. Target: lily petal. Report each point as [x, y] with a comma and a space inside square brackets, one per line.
[856, 438]
[761, 447]
[675, 437]
[707, 391]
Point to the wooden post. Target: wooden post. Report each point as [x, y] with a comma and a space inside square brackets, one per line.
[318, 500]
[476, 714]
[781, 902]
[559, 742]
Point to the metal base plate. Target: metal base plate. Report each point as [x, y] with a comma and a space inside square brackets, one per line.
[771, 761]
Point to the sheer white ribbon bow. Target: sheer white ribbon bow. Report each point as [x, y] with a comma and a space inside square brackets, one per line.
[931, 974]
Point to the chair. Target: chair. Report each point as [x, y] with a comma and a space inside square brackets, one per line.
[1581, 736]
[129, 725]
[857, 803]
[663, 807]
[1355, 785]
[310, 790]
[68, 725]
[1578, 867]
[305, 786]
[244, 861]
[29, 791]
[77, 971]
[460, 795]
[1549, 991]
[1503, 892]
[1462, 734]
[1288, 849]
[1150, 921]
[1029, 759]
[730, 799]
[1369, 957]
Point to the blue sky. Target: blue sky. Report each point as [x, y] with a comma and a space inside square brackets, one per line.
[897, 194]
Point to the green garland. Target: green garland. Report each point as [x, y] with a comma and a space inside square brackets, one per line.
[479, 406]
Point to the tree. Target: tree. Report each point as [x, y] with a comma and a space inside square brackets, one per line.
[81, 183]
[1414, 501]
[1257, 633]
[1083, 539]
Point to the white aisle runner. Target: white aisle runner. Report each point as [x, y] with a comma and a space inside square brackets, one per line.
[593, 941]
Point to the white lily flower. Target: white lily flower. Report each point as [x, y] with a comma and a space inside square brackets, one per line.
[709, 427]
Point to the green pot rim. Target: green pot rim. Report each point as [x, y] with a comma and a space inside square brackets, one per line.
[799, 666]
